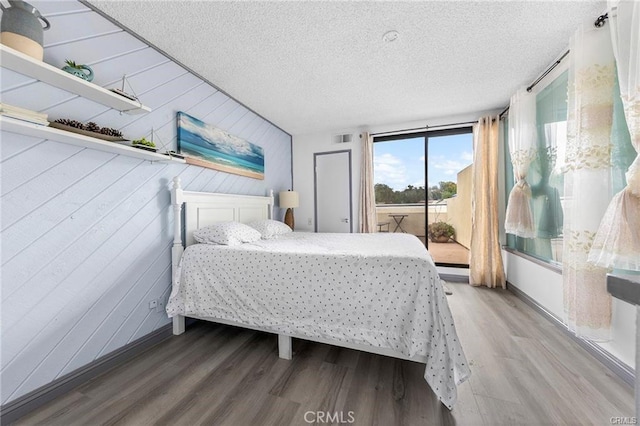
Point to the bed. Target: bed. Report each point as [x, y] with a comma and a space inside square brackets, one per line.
[378, 293]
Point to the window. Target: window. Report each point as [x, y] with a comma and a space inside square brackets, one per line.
[545, 174]
[546, 171]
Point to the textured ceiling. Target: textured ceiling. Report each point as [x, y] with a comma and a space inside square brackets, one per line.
[323, 66]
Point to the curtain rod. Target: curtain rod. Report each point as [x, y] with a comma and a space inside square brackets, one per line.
[599, 22]
[539, 79]
[546, 73]
[426, 128]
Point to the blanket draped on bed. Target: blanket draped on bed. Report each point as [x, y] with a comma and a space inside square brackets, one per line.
[379, 290]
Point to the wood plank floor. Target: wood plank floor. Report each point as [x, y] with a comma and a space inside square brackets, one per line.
[524, 371]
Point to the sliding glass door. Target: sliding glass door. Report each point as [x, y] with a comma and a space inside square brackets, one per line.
[399, 176]
[449, 159]
[423, 187]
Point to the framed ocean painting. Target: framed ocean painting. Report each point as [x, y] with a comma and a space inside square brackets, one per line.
[207, 146]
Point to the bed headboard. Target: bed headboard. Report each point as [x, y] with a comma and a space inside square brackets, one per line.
[206, 208]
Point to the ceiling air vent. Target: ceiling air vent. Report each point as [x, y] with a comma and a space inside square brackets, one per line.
[346, 138]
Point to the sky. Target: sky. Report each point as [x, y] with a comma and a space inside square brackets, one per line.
[400, 163]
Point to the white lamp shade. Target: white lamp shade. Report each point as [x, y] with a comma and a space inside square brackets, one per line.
[289, 200]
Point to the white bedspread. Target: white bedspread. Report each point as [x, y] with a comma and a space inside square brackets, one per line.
[381, 290]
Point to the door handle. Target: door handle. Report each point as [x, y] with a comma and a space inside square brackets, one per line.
[345, 220]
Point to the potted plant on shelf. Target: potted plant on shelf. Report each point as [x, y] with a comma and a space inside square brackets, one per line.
[78, 70]
[144, 143]
[440, 232]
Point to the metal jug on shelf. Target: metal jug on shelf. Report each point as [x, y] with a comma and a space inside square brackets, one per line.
[20, 28]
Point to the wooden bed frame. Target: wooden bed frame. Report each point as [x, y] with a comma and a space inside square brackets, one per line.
[203, 209]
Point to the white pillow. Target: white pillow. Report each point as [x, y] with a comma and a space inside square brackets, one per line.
[226, 233]
[270, 228]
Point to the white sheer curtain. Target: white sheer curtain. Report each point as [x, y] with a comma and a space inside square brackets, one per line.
[617, 243]
[367, 211]
[587, 180]
[522, 148]
[556, 138]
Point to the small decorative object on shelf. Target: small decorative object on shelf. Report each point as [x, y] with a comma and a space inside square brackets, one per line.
[89, 129]
[124, 94]
[145, 144]
[24, 114]
[155, 142]
[108, 131]
[92, 127]
[21, 29]
[173, 154]
[70, 123]
[78, 70]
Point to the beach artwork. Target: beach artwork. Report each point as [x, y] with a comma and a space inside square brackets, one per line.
[207, 146]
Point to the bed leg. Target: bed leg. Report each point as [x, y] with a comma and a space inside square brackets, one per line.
[178, 325]
[284, 346]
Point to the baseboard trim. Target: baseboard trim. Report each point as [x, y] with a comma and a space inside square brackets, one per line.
[622, 370]
[25, 404]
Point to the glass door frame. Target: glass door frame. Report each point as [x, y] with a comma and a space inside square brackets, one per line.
[426, 134]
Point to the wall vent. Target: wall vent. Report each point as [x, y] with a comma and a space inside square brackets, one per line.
[345, 138]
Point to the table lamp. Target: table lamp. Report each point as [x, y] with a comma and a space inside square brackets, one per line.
[289, 200]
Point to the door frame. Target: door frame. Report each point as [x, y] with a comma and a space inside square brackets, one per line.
[426, 134]
[315, 187]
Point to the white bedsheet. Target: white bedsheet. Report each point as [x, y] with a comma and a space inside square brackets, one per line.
[381, 290]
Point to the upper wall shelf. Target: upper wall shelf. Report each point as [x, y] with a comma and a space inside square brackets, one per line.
[8, 124]
[26, 65]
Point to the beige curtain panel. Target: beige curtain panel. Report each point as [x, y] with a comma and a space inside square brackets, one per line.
[485, 265]
[367, 210]
[617, 243]
[522, 149]
[587, 179]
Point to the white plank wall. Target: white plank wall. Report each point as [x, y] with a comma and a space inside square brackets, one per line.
[86, 234]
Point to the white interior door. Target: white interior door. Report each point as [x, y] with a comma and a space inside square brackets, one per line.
[333, 191]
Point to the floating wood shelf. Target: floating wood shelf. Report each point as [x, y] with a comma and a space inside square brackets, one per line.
[8, 124]
[26, 65]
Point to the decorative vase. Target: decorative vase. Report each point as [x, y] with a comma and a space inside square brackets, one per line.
[21, 30]
[78, 71]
